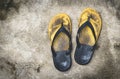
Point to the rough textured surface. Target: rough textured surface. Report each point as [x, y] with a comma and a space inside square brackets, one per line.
[25, 47]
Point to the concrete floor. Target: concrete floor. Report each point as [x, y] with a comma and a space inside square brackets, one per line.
[25, 47]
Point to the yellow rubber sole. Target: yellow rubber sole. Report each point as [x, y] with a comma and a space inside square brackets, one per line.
[86, 35]
[55, 24]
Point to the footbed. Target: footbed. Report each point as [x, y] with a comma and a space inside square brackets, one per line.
[86, 35]
[61, 42]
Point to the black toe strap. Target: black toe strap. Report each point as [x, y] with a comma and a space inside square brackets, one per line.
[63, 30]
[87, 23]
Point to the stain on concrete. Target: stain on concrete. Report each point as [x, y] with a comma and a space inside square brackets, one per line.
[118, 12]
[5, 6]
[116, 5]
[117, 46]
[8, 66]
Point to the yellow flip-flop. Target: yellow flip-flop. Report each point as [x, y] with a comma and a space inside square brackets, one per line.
[59, 31]
[90, 25]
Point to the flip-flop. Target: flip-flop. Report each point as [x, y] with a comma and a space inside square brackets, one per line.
[90, 25]
[59, 30]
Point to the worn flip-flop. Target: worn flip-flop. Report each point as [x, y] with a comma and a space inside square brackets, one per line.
[59, 30]
[90, 25]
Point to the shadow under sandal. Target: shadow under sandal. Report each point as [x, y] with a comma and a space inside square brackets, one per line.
[87, 35]
[60, 35]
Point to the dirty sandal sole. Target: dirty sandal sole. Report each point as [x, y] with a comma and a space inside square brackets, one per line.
[59, 31]
[87, 35]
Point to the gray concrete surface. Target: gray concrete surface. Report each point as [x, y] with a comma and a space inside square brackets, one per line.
[25, 47]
